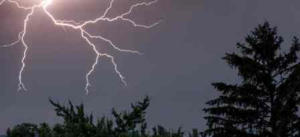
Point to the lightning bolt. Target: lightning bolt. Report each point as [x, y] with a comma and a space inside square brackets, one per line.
[85, 35]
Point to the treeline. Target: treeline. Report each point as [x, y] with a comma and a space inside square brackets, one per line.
[264, 103]
[78, 124]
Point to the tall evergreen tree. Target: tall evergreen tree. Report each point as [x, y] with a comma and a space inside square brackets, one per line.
[265, 102]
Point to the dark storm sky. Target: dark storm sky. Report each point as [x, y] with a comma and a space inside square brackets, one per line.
[182, 56]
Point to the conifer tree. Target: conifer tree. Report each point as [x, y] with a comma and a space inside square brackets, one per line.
[265, 102]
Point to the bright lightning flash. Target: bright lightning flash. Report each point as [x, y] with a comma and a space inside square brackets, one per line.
[47, 2]
[85, 35]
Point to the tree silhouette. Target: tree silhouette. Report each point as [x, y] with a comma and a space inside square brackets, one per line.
[127, 122]
[23, 130]
[265, 103]
[76, 123]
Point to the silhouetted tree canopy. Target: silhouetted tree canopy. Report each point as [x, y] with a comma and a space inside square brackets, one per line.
[265, 103]
[78, 124]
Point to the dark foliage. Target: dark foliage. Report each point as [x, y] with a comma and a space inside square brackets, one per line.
[78, 124]
[265, 103]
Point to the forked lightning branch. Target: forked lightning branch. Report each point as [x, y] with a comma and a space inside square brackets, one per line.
[80, 27]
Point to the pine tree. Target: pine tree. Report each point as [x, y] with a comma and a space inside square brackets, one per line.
[265, 102]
